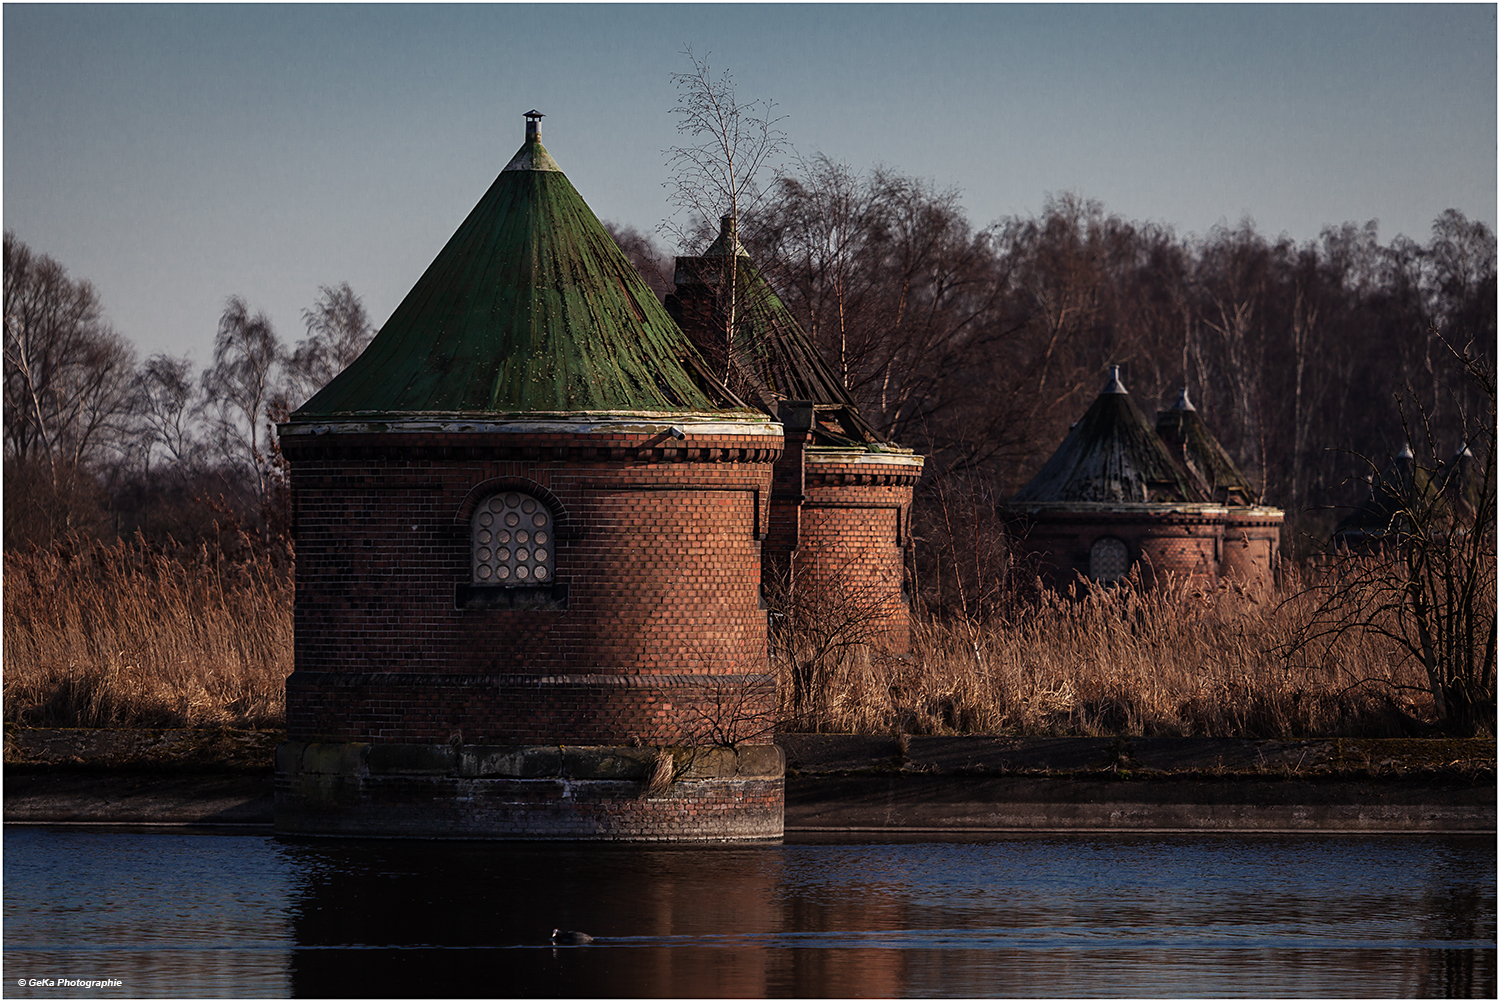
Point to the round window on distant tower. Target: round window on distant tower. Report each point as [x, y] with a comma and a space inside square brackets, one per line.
[1109, 559]
[512, 556]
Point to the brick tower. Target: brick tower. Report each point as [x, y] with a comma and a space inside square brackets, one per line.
[528, 527]
[841, 494]
[1119, 493]
[1252, 532]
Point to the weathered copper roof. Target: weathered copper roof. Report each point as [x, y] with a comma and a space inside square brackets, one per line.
[1112, 454]
[1189, 441]
[530, 307]
[772, 360]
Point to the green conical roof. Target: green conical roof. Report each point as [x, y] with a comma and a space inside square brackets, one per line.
[530, 307]
[1112, 454]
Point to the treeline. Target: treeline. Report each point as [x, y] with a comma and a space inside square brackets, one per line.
[99, 444]
[980, 347]
[977, 347]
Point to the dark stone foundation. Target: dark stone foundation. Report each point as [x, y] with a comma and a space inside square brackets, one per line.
[527, 792]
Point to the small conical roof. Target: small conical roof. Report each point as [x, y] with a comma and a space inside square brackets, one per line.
[773, 357]
[1395, 492]
[1186, 434]
[1112, 454]
[529, 307]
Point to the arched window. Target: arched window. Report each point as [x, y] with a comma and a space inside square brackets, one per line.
[1109, 559]
[511, 541]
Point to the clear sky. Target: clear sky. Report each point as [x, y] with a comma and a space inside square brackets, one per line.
[175, 155]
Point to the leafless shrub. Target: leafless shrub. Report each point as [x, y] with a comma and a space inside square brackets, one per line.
[1421, 579]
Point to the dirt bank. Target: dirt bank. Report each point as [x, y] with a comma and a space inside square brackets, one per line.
[857, 783]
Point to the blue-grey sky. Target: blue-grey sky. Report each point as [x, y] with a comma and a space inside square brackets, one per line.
[175, 155]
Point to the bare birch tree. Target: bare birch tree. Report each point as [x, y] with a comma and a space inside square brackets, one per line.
[733, 144]
[338, 330]
[241, 388]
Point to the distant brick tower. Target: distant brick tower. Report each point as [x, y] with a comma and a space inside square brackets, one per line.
[1120, 494]
[841, 494]
[1252, 532]
[528, 534]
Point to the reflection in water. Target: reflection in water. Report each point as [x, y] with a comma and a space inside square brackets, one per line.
[182, 914]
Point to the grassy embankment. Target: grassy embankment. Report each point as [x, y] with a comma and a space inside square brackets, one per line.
[120, 636]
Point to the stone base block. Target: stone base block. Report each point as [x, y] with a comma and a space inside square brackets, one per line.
[528, 791]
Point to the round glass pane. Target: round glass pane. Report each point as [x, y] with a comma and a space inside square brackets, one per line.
[522, 536]
[502, 572]
[523, 555]
[541, 537]
[521, 572]
[540, 555]
[541, 572]
[486, 518]
[511, 500]
[484, 535]
[484, 554]
[539, 519]
[502, 537]
[484, 571]
[511, 518]
[528, 506]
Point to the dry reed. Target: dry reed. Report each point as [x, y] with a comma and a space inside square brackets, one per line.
[129, 635]
[1167, 661]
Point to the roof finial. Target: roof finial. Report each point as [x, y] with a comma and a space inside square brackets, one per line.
[1115, 386]
[534, 126]
[1183, 403]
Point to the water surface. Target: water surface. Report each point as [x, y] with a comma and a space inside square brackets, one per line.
[193, 913]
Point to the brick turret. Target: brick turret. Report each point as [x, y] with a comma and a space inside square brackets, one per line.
[841, 494]
[528, 527]
[1120, 494]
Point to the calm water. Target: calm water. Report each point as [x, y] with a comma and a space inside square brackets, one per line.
[179, 913]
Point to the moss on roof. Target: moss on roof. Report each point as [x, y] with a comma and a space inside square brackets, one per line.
[529, 307]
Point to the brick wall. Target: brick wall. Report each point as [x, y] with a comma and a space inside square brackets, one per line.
[1252, 544]
[1180, 543]
[851, 539]
[657, 562]
[583, 709]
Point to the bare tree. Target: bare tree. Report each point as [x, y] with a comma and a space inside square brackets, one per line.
[241, 389]
[67, 373]
[734, 144]
[338, 330]
[67, 397]
[168, 407]
[653, 264]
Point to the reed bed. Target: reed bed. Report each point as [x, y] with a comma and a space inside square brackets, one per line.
[1104, 661]
[130, 635]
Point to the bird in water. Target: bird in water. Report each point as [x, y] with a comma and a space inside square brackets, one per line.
[570, 938]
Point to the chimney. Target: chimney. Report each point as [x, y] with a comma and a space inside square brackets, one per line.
[534, 126]
[1115, 386]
